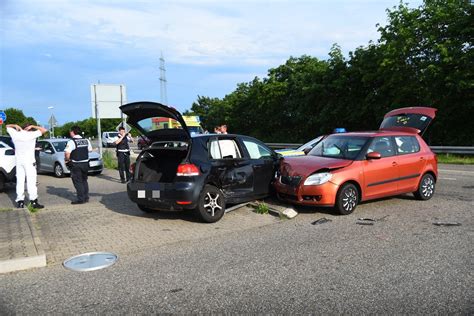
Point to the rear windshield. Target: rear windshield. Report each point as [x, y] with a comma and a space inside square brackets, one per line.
[59, 146]
[112, 135]
[341, 147]
[158, 123]
[417, 121]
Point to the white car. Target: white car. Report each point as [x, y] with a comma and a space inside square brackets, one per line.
[7, 162]
[108, 139]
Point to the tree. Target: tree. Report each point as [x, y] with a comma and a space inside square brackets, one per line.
[424, 57]
[16, 116]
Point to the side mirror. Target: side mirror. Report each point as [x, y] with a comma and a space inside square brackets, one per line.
[373, 155]
[307, 150]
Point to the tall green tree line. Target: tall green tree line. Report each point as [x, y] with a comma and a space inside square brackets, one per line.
[424, 57]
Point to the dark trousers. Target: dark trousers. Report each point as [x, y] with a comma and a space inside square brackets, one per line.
[79, 179]
[124, 165]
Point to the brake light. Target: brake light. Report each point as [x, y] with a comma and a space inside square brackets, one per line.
[187, 170]
[183, 202]
[132, 168]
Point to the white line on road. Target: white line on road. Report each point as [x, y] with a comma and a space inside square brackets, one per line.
[455, 171]
[448, 179]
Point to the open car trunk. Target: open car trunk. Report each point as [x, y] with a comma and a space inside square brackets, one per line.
[159, 164]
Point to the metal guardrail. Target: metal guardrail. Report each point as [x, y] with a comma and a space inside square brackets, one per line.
[461, 150]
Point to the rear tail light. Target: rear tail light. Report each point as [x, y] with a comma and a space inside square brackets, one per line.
[187, 170]
[132, 168]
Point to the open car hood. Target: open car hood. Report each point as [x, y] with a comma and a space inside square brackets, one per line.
[412, 119]
[307, 165]
[140, 115]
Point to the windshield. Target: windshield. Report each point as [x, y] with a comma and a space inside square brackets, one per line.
[7, 140]
[59, 146]
[310, 144]
[112, 135]
[195, 130]
[158, 123]
[341, 147]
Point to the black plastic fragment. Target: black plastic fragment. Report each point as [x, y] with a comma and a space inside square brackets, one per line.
[447, 224]
[321, 221]
[368, 223]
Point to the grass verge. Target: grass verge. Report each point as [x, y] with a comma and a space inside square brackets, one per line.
[31, 208]
[455, 159]
[5, 209]
[262, 208]
[110, 160]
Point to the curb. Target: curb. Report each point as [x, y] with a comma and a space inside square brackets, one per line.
[37, 261]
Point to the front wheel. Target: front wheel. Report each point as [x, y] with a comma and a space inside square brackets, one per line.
[211, 205]
[347, 199]
[3, 180]
[58, 170]
[426, 188]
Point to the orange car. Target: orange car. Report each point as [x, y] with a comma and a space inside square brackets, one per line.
[345, 169]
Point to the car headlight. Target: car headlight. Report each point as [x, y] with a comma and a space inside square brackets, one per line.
[318, 178]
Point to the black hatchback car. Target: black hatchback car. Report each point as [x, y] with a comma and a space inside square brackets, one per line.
[201, 172]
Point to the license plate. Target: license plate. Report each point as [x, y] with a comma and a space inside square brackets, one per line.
[93, 163]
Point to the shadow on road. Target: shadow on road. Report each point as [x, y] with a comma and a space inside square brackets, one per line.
[10, 192]
[118, 202]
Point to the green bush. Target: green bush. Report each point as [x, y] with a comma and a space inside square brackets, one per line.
[110, 160]
[262, 208]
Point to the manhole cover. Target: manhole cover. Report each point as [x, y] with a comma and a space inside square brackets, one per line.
[90, 261]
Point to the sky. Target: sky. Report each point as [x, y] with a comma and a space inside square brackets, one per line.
[52, 51]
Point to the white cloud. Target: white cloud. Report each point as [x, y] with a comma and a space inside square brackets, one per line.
[200, 33]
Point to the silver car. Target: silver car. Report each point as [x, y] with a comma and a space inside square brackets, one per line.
[50, 158]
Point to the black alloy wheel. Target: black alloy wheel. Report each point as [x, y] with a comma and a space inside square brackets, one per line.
[347, 199]
[211, 205]
[3, 180]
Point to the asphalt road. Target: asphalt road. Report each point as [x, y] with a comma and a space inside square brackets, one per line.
[403, 264]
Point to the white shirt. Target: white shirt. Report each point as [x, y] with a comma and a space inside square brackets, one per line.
[25, 143]
[71, 145]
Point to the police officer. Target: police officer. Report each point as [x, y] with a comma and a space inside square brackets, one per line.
[76, 155]
[123, 154]
[25, 140]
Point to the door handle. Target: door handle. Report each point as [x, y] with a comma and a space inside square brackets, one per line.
[394, 164]
[422, 158]
[257, 166]
[221, 169]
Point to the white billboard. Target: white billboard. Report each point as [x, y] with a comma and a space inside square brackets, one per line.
[109, 97]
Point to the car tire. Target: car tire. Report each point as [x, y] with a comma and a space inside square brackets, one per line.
[3, 180]
[211, 204]
[426, 188]
[145, 209]
[347, 199]
[58, 170]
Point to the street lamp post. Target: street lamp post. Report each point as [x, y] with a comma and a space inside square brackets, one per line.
[51, 125]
